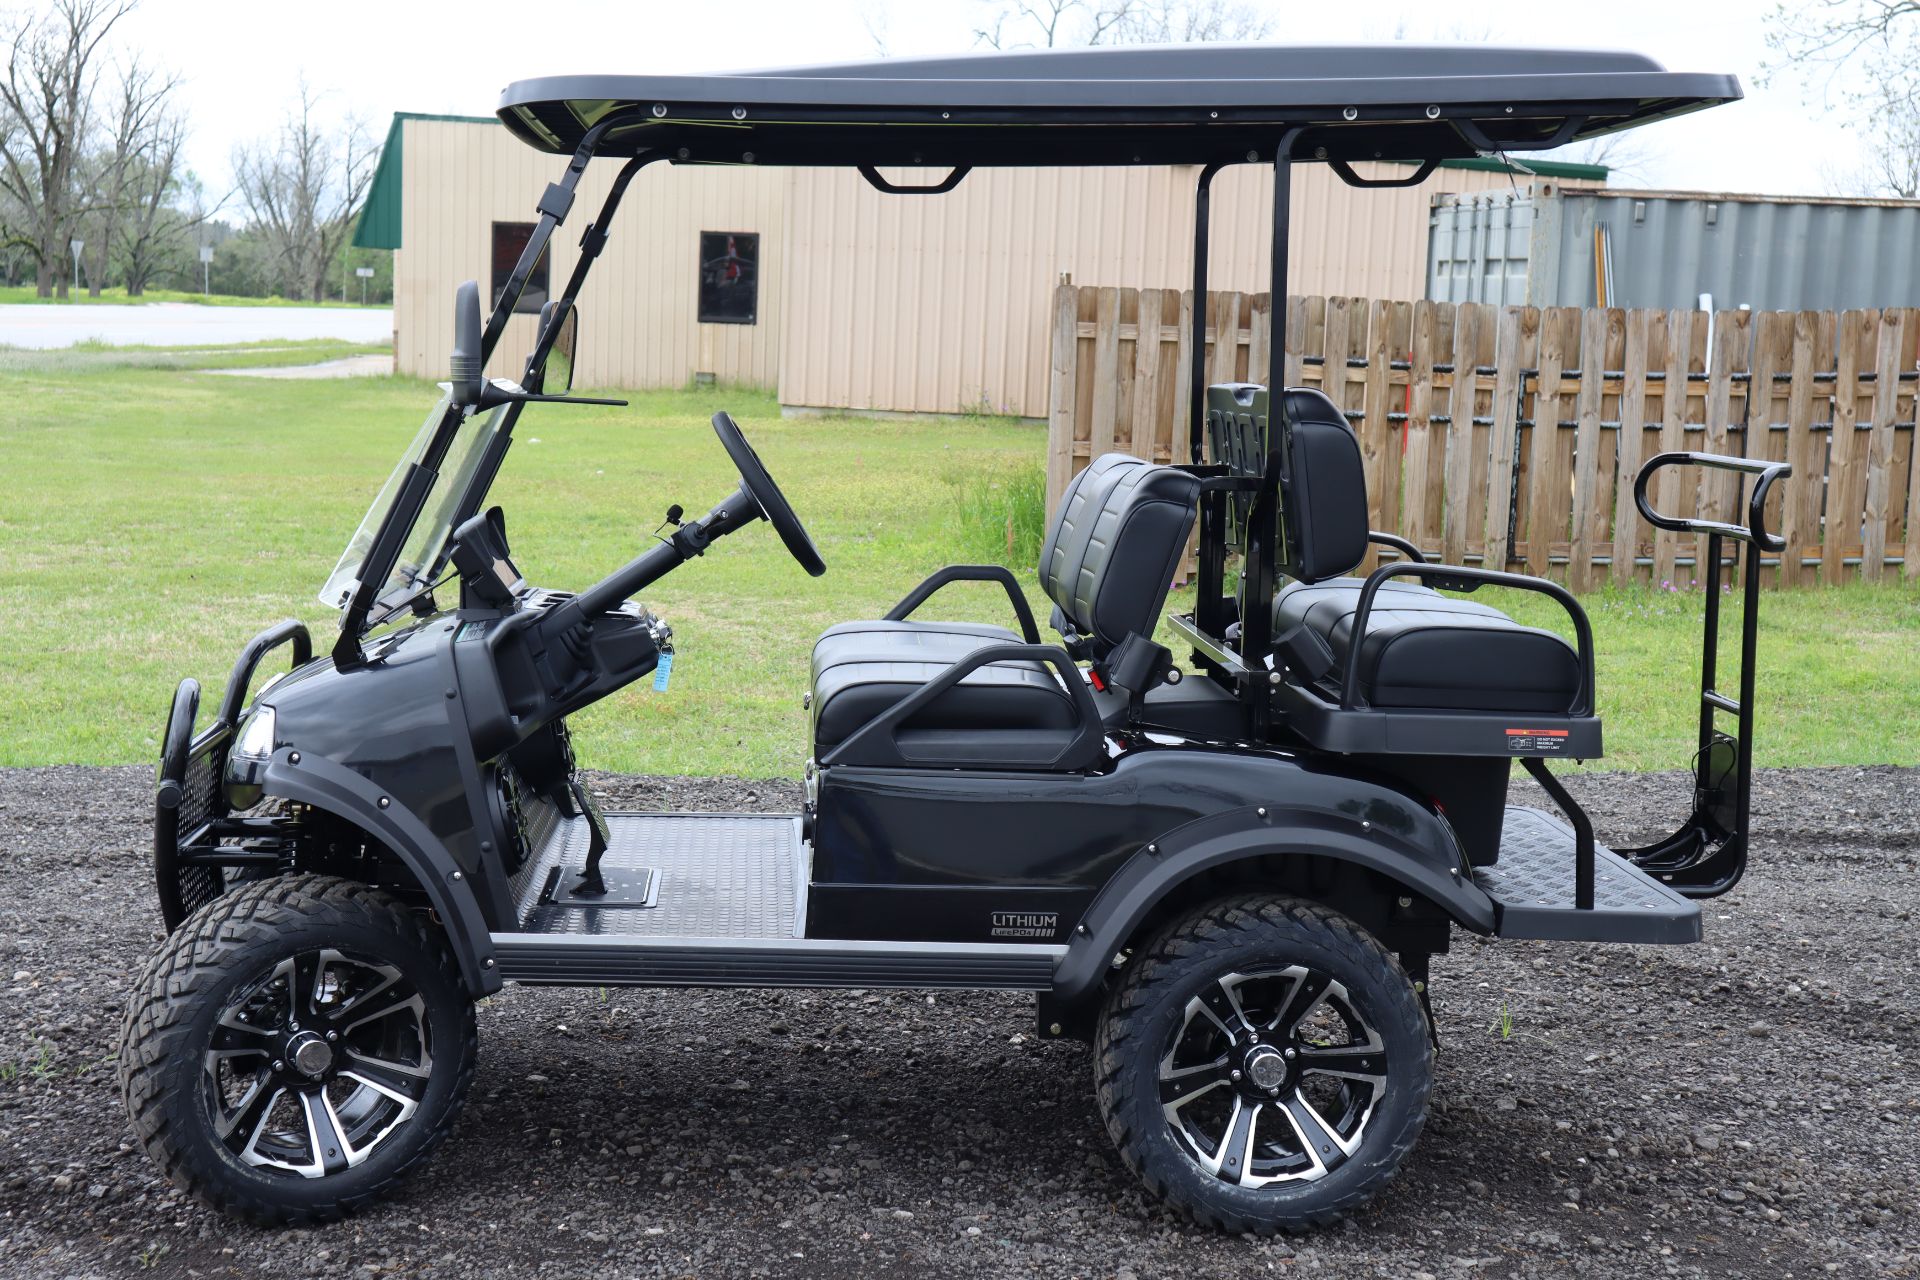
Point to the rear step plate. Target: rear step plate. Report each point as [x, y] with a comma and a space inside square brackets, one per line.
[1532, 890]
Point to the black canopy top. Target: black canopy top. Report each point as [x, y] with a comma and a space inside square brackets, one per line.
[1168, 104]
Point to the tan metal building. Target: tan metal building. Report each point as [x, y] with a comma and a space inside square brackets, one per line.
[859, 300]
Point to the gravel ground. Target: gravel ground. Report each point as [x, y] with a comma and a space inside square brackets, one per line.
[1743, 1107]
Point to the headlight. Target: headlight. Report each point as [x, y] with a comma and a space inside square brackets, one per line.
[252, 749]
[256, 735]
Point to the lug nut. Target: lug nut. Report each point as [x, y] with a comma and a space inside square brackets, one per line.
[279, 1065]
[332, 1036]
[1289, 1055]
[1236, 1077]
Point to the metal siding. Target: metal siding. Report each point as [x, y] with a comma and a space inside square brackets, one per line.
[1765, 253]
[890, 303]
[639, 305]
[939, 304]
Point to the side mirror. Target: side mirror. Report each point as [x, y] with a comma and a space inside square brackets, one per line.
[464, 367]
[556, 375]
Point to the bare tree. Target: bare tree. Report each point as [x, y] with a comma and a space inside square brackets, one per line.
[1047, 24]
[1830, 32]
[1866, 55]
[157, 228]
[116, 174]
[46, 106]
[305, 187]
[1191, 21]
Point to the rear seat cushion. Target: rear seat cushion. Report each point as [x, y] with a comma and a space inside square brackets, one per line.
[1426, 650]
[860, 669]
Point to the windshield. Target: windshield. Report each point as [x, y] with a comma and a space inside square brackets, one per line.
[421, 551]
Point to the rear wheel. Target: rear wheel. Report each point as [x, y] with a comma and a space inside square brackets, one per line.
[295, 1048]
[1264, 1066]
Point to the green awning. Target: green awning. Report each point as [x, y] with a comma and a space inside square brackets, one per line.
[379, 226]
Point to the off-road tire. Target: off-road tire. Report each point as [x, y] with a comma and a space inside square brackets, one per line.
[1142, 1013]
[230, 942]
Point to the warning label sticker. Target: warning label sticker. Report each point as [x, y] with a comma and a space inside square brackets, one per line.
[1536, 740]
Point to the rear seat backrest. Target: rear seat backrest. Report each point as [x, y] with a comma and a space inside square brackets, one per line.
[1114, 547]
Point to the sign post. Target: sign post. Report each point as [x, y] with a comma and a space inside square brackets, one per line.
[206, 269]
[76, 245]
[365, 274]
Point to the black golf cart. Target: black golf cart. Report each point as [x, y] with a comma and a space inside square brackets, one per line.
[1226, 868]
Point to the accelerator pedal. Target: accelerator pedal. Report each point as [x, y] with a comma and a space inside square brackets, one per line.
[567, 886]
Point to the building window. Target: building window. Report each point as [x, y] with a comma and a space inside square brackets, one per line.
[509, 242]
[729, 276]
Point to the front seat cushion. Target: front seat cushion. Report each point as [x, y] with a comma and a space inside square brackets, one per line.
[861, 669]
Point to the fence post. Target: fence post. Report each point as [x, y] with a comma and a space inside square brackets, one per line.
[1886, 394]
[1459, 447]
[1144, 437]
[1586, 445]
[1633, 430]
[1544, 439]
[1513, 346]
[1853, 348]
[1800, 509]
[1062, 390]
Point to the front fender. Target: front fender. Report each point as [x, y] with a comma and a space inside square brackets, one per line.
[1423, 858]
[308, 779]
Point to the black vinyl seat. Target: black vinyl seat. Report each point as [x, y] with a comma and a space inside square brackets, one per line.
[1422, 650]
[860, 669]
[1107, 563]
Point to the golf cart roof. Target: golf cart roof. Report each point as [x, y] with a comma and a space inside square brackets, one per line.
[1166, 104]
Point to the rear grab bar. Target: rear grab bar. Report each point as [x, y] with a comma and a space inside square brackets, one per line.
[1754, 531]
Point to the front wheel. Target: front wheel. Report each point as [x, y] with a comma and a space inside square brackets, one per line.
[295, 1048]
[1264, 1066]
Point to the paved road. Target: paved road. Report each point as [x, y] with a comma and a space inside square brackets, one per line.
[179, 324]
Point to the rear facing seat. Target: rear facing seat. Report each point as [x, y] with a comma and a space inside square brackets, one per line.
[1422, 650]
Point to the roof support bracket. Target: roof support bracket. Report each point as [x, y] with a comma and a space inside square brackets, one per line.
[946, 184]
[1476, 137]
[1352, 179]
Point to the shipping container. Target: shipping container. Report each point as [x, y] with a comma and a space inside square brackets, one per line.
[1552, 245]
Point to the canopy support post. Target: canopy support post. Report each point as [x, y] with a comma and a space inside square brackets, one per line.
[1257, 587]
[1209, 610]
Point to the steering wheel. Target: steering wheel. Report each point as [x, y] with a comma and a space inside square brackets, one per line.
[766, 494]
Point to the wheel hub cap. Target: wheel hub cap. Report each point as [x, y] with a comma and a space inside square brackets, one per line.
[310, 1055]
[1266, 1069]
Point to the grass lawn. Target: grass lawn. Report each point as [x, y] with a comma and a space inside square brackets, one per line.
[155, 517]
[26, 293]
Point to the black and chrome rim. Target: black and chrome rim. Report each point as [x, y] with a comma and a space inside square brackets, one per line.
[1272, 1076]
[314, 1065]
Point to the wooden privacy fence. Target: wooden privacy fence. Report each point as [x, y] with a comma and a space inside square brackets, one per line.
[1510, 436]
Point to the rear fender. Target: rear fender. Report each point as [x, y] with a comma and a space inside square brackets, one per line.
[1421, 856]
[306, 779]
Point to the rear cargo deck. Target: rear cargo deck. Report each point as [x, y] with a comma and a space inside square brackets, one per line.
[1532, 890]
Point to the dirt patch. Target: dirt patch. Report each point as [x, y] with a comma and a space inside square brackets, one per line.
[1741, 1107]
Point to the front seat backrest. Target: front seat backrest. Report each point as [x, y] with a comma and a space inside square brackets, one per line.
[1323, 492]
[1114, 548]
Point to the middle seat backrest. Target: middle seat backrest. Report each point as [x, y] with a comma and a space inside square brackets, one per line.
[1113, 550]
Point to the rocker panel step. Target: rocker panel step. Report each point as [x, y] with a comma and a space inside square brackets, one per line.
[1532, 890]
[632, 961]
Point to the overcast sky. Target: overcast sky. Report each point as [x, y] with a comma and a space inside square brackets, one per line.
[376, 57]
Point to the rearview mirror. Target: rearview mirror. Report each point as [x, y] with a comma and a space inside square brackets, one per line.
[556, 378]
[468, 383]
